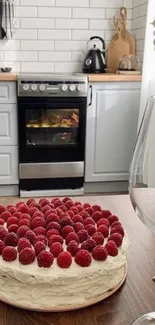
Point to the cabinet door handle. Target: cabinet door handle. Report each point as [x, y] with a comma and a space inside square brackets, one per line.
[91, 95]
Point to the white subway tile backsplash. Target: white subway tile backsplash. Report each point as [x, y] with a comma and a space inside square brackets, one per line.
[37, 45]
[71, 23]
[54, 56]
[78, 56]
[86, 34]
[70, 45]
[138, 22]
[116, 12]
[72, 3]
[7, 45]
[32, 67]
[138, 2]
[54, 34]
[128, 3]
[70, 67]
[54, 12]
[139, 11]
[140, 45]
[37, 23]
[26, 34]
[106, 3]
[139, 33]
[88, 13]
[42, 3]
[25, 11]
[101, 24]
[14, 65]
[20, 56]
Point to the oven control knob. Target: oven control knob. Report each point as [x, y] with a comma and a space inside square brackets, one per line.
[64, 87]
[34, 87]
[26, 87]
[72, 87]
[42, 87]
[79, 87]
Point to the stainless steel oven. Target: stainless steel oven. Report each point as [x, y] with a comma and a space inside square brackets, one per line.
[51, 128]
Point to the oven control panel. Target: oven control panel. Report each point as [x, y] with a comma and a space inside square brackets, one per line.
[47, 86]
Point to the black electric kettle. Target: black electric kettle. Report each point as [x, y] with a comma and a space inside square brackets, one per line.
[94, 61]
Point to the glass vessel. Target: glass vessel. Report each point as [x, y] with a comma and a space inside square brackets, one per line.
[142, 179]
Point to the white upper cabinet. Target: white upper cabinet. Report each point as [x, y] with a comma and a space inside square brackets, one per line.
[112, 121]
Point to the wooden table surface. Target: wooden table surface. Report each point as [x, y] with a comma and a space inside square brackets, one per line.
[137, 295]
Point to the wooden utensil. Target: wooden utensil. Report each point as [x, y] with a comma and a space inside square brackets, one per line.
[117, 48]
[125, 34]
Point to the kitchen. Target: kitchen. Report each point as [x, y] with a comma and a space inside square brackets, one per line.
[68, 133]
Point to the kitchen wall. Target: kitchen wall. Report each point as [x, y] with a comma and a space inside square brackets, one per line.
[138, 25]
[52, 34]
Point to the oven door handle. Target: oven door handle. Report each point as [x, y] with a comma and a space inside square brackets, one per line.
[91, 95]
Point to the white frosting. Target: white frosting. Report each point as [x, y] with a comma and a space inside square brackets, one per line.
[33, 287]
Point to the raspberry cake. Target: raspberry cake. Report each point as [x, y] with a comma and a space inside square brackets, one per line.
[59, 254]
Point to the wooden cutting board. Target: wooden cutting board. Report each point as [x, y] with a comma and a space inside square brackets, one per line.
[116, 49]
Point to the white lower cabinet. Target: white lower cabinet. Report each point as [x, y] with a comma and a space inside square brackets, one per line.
[112, 119]
[8, 165]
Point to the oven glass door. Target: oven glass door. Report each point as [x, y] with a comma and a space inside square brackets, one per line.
[51, 129]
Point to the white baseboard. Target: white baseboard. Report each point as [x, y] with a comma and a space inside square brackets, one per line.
[9, 190]
[106, 187]
[46, 193]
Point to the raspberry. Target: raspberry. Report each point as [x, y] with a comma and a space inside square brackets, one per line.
[103, 221]
[25, 222]
[73, 247]
[1, 246]
[38, 214]
[89, 221]
[53, 225]
[2, 208]
[79, 207]
[84, 214]
[63, 208]
[54, 199]
[98, 237]
[117, 229]
[45, 209]
[57, 203]
[77, 218]
[32, 204]
[66, 199]
[32, 210]
[9, 206]
[47, 213]
[75, 210]
[41, 238]
[112, 219]
[111, 248]
[96, 216]
[9, 254]
[66, 221]
[83, 235]
[11, 239]
[68, 204]
[43, 202]
[77, 203]
[66, 230]
[117, 238]
[83, 258]
[99, 253]
[60, 213]
[37, 222]
[104, 230]
[5, 215]
[27, 256]
[72, 236]
[88, 245]
[39, 247]
[19, 203]
[78, 226]
[3, 233]
[23, 208]
[56, 249]
[105, 213]
[89, 210]
[70, 213]
[96, 208]
[64, 260]
[23, 216]
[22, 231]
[12, 221]
[116, 223]
[31, 236]
[23, 243]
[45, 259]
[39, 231]
[91, 229]
[52, 232]
[2, 222]
[29, 201]
[55, 239]
[86, 205]
[13, 228]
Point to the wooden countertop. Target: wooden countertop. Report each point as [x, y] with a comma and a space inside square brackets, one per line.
[136, 296]
[8, 76]
[113, 77]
